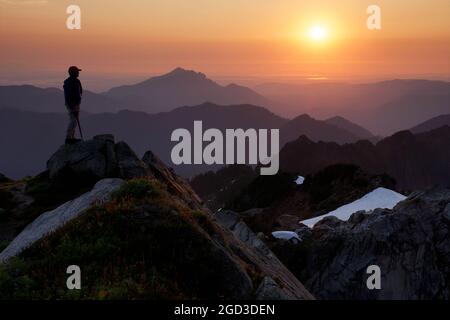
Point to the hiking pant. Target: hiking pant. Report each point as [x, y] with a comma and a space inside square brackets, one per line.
[73, 123]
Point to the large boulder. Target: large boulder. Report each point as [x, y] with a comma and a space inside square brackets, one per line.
[128, 164]
[95, 159]
[410, 244]
[55, 219]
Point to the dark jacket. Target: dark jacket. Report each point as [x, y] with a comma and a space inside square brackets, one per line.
[72, 92]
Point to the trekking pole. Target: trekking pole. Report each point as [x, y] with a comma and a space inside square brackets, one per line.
[79, 127]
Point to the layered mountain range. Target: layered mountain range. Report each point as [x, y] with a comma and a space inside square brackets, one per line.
[30, 137]
[115, 205]
[415, 161]
[381, 107]
[177, 88]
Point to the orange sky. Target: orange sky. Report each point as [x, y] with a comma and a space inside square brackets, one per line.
[225, 38]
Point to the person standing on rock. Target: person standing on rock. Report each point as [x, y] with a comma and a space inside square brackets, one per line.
[72, 95]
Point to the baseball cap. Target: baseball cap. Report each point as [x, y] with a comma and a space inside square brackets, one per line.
[74, 69]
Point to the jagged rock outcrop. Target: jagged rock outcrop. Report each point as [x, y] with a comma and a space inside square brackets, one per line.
[95, 159]
[287, 287]
[410, 244]
[235, 224]
[270, 290]
[55, 219]
[175, 183]
[100, 158]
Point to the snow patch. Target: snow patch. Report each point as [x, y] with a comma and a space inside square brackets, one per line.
[285, 235]
[300, 180]
[378, 198]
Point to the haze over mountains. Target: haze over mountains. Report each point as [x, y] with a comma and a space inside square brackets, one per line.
[351, 127]
[30, 98]
[439, 121]
[177, 88]
[382, 107]
[33, 120]
[319, 130]
[181, 87]
[379, 107]
[29, 137]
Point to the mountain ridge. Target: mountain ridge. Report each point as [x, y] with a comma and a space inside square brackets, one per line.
[378, 106]
[398, 155]
[22, 135]
[181, 87]
[432, 124]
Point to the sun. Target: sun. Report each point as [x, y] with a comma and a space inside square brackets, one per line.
[318, 33]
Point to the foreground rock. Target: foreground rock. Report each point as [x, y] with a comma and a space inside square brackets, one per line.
[287, 287]
[95, 159]
[410, 244]
[99, 158]
[175, 183]
[52, 220]
[153, 239]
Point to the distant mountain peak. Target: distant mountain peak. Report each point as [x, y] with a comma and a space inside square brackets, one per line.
[177, 74]
[432, 124]
[337, 118]
[351, 127]
[303, 116]
[182, 72]
[181, 87]
[179, 70]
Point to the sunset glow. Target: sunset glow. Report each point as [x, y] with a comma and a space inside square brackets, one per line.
[318, 33]
[269, 39]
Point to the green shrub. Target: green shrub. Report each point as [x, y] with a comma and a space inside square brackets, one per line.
[151, 249]
[38, 185]
[138, 189]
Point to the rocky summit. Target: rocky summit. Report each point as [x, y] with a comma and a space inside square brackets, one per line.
[410, 244]
[140, 232]
[95, 159]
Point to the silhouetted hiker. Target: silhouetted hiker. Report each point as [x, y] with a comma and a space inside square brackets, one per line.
[72, 95]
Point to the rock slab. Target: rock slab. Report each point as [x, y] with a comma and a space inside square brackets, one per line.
[54, 219]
